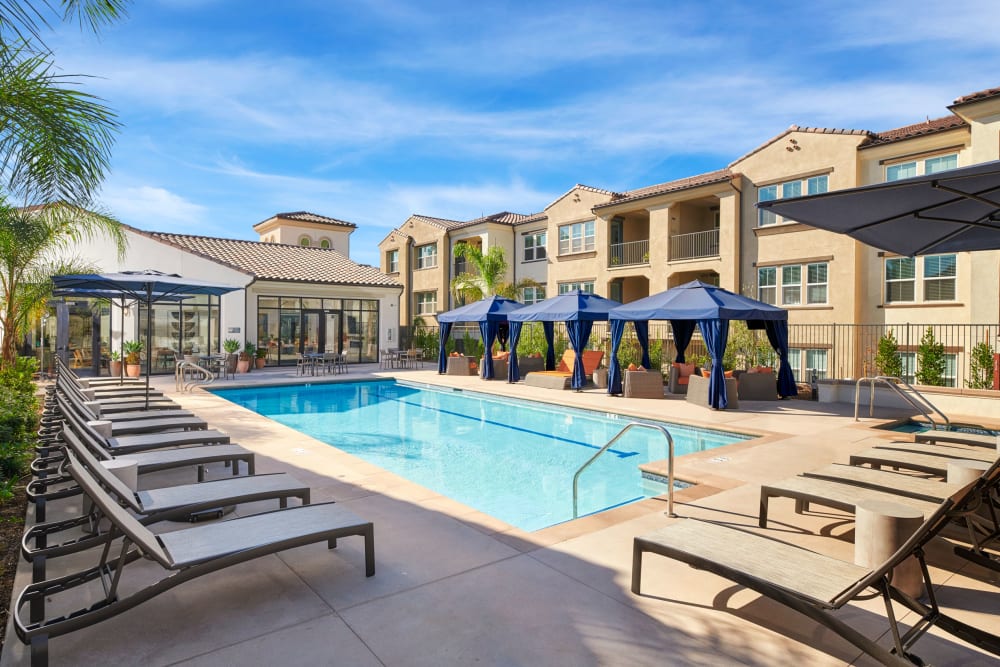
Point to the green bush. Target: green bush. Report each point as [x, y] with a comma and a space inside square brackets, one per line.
[18, 426]
[18, 377]
[930, 360]
[887, 359]
[745, 348]
[980, 367]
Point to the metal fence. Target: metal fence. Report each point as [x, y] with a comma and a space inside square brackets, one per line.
[838, 351]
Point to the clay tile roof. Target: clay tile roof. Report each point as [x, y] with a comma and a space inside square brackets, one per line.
[534, 217]
[977, 96]
[440, 223]
[502, 218]
[718, 176]
[305, 216]
[916, 130]
[798, 128]
[276, 261]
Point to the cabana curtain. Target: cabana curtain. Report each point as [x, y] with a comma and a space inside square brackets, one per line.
[777, 335]
[488, 330]
[444, 332]
[578, 332]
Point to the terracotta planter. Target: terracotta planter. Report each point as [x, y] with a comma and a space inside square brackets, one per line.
[133, 370]
[243, 366]
[261, 362]
[115, 369]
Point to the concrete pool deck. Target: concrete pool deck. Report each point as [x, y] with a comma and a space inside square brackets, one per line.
[456, 587]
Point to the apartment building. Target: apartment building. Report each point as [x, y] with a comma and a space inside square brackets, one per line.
[632, 244]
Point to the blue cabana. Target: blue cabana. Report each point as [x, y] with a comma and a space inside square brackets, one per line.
[579, 310]
[490, 313]
[711, 308]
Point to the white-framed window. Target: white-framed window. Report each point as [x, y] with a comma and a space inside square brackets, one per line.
[908, 360]
[532, 295]
[816, 363]
[305, 241]
[534, 246]
[930, 165]
[795, 362]
[767, 285]
[950, 374]
[427, 256]
[324, 243]
[426, 302]
[805, 361]
[392, 261]
[587, 286]
[578, 237]
[791, 285]
[939, 277]
[938, 273]
[816, 282]
[813, 185]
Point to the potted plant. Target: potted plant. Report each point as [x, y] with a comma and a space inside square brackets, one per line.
[246, 357]
[261, 356]
[133, 358]
[231, 345]
[115, 365]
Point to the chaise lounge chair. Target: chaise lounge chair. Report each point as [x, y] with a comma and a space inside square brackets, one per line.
[184, 554]
[930, 459]
[563, 375]
[958, 438]
[817, 585]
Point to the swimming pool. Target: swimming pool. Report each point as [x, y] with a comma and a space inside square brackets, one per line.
[511, 459]
[911, 426]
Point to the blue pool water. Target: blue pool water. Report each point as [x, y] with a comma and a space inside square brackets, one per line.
[921, 427]
[513, 460]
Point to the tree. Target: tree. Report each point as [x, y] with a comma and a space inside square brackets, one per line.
[31, 241]
[930, 360]
[488, 280]
[980, 367]
[887, 359]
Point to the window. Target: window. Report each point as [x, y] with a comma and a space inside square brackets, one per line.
[534, 246]
[816, 363]
[950, 374]
[305, 241]
[427, 256]
[791, 285]
[569, 287]
[532, 295]
[426, 303]
[767, 285]
[795, 363]
[578, 237]
[939, 278]
[938, 272]
[811, 186]
[899, 279]
[931, 165]
[392, 261]
[909, 362]
[816, 283]
[324, 243]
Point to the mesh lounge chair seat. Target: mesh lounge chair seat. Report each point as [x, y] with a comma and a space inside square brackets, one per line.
[906, 459]
[814, 584]
[184, 554]
[959, 438]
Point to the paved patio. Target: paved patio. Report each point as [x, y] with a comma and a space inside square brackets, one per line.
[456, 587]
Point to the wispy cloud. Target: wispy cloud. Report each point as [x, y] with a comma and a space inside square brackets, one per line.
[153, 207]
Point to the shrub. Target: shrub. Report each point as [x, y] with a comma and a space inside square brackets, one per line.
[746, 348]
[887, 359]
[930, 360]
[980, 367]
[18, 424]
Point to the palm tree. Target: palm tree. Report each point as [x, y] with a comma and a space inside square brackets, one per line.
[32, 241]
[488, 279]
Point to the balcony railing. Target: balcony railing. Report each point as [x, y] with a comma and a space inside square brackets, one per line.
[695, 245]
[627, 254]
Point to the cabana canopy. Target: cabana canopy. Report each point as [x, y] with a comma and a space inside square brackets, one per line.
[950, 211]
[579, 310]
[490, 313]
[146, 287]
[711, 308]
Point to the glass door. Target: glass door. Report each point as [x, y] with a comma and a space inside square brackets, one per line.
[312, 324]
[331, 332]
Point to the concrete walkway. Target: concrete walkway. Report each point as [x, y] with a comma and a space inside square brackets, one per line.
[456, 587]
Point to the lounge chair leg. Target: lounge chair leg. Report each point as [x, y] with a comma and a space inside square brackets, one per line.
[331, 543]
[201, 473]
[36, 608]
[370, 551]
[251, 467]
[283, 503]
[801, 506]
[636, 566]
[764, 500]
[40, 651]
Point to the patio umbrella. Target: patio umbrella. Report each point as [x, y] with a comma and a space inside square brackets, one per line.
[950, 211]
[579, 310]
[489, 313]
[146, 287]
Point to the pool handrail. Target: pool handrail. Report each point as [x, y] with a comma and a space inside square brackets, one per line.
[923, 405]
[628, 427]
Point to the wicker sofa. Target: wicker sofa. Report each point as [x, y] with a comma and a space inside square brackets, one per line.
[758, 386]
[459, 366]
[697, 392]
[642, 384]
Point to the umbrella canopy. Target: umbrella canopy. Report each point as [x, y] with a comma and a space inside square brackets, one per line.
[579, 310]
[711, 308]
[146, 287]
[950, 211]
[490, 312]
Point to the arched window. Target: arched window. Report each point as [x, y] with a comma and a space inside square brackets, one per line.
[305, 241]
[324, 243]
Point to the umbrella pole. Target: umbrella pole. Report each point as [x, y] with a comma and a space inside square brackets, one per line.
[149, 338]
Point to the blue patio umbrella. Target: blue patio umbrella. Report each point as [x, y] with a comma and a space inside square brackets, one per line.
[490, 313]
[579, 310]
[146, 287]
[711, 308]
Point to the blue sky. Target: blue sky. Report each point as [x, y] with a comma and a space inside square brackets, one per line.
[372, 111]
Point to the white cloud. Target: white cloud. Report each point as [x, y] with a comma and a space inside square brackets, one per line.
[149, 207]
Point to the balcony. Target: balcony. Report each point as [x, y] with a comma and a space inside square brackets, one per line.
[628, 254]
[695, 245]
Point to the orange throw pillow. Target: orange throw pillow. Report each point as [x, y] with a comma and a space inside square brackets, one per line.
[684, 370]
[631, 367]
